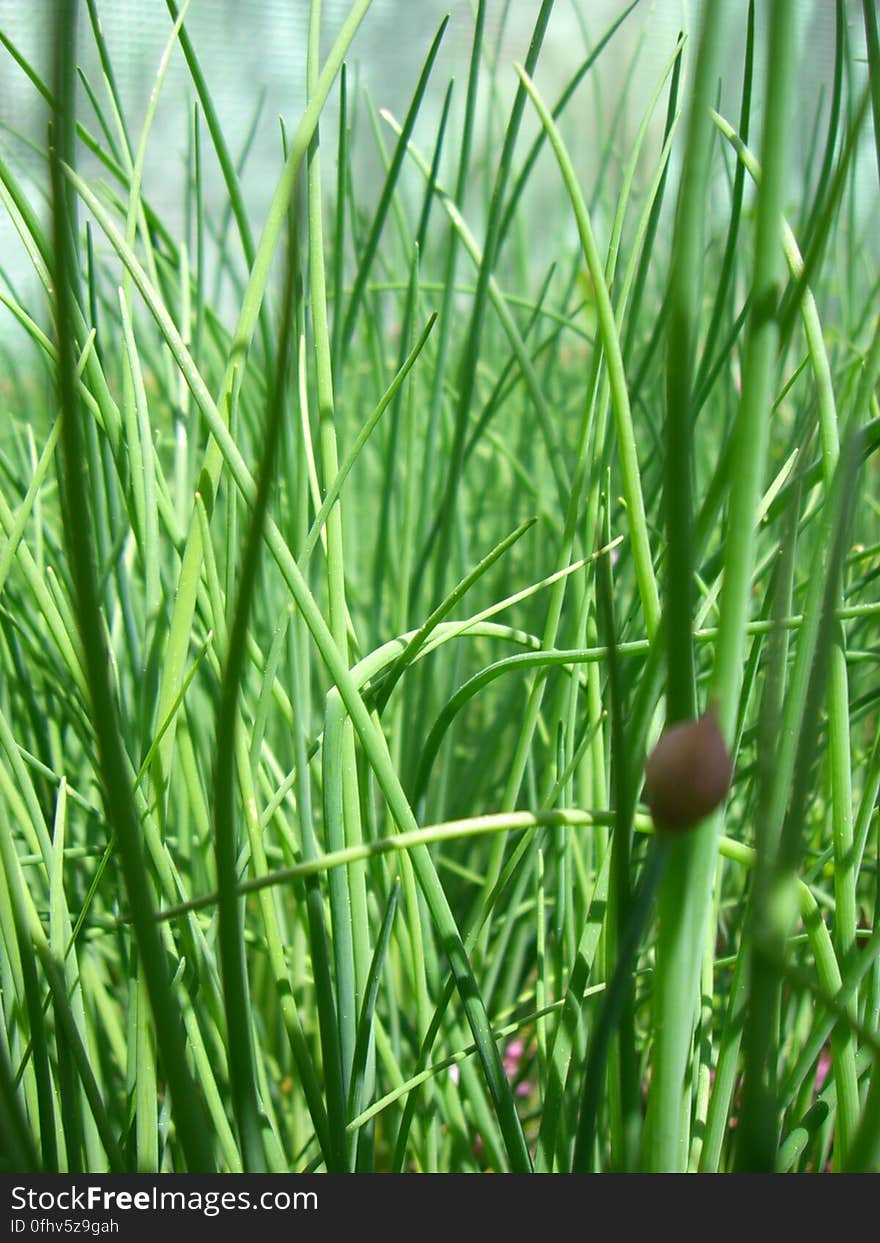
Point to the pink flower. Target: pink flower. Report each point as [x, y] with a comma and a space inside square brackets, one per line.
[514, 1058]
[822, 1068]
[513, 1055]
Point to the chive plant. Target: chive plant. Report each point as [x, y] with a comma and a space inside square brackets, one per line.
[353, 561]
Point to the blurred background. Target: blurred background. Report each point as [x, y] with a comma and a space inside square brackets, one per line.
[252, 53]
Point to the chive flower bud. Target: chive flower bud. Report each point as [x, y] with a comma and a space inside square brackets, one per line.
[688, 773]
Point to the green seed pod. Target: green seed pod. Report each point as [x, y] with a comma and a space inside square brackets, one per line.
[688, 773]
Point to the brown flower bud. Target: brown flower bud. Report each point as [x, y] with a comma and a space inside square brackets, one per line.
[688, 773]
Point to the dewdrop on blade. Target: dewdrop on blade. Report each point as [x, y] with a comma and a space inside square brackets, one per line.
[688, 773]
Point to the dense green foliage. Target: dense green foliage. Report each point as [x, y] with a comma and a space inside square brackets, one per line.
[349, 573]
